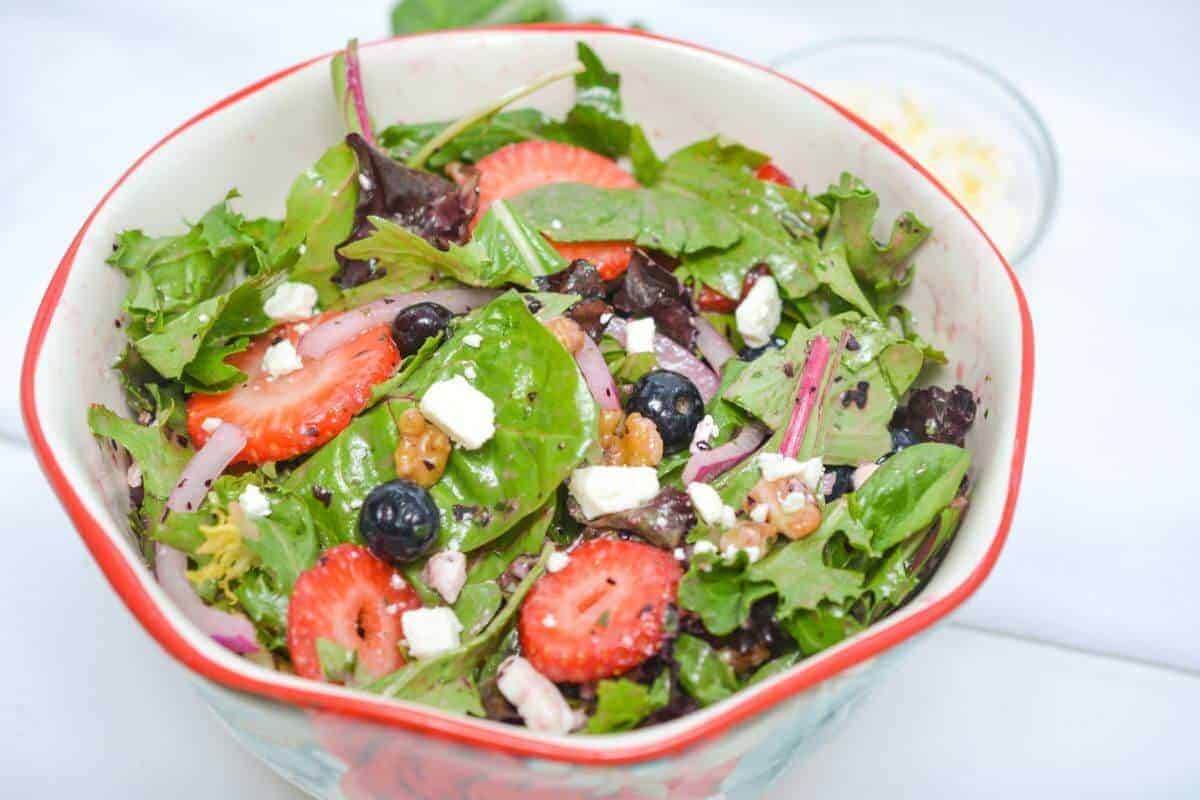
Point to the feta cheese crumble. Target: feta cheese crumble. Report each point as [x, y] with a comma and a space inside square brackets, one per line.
[557, 561]
[775, 466]
[536, 698]
[704, 546]
[706, 431]
[254, 503]
[639, 336]
[291, 302]
[446, 574]
[607, 490]
[752, 553]
[794, 502]
[281, 359]
[430, 631]
[473, 340]
[709, 505]
[465, 414]
[758, 315]
[211, 424]
[759, 512]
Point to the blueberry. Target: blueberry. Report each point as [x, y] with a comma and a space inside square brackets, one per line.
[399, 521]
[417, 323]
[751, 353]
[672, 403]
[843, 482]
[902, 438]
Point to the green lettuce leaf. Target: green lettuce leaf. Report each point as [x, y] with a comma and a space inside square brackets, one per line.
[160, 458]
[879, 266]
[596, 121]
[170, 274]
[622, 704]
[503, 250]
[657, 218]
[287, 542]
[320, 214]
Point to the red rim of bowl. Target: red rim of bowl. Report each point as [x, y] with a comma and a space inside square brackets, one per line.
[129, 586]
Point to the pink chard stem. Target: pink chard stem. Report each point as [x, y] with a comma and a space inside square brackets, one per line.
[354, 88]
[807, 396]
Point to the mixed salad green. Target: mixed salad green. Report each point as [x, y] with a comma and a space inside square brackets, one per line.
[512, 416]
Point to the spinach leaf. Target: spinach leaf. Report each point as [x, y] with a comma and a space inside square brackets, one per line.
[657, 218]
[622, 704]
[879, 266]
[778, 224]
[320, 214]
[336, 479]
[702, 674]
[908, 491]
[821, 628]
[477, 604]
[773, 668]
[448, 679]
[545, 422]
[160, 458]
[414, 16]
[596, 121]
[897, 576]
[473, 143]
[833, 269]
[526, 538]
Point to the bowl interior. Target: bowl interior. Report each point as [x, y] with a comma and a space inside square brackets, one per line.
[259, 141]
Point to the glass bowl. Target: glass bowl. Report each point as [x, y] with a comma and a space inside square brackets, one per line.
[965, 123]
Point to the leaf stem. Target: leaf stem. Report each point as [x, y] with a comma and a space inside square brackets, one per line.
[417, 161]
[354, 86]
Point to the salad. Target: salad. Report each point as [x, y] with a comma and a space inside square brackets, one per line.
[513, 417]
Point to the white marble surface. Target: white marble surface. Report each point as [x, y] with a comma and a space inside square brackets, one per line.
[1102, 552]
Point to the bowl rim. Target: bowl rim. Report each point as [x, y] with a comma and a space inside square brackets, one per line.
[463, 730]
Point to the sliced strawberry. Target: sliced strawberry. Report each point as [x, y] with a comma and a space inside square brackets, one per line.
[519, 167]
[610, 258]
[772, 173]
[295, 413]
[602, 614]
[355, 600]
[712, 300]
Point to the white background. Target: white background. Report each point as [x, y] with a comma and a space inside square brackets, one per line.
[1073, 672]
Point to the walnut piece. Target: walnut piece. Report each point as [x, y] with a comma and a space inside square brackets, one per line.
[423, 450]
[792, 507]
[631, 441]
[568, 333]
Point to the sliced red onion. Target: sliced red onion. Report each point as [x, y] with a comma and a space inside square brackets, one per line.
[358, 95]
[596, 373]
[332, 333]
[813, 373]
[233, 631]
[715, 347]
[672, 356]
[708, 464]
[206, 466]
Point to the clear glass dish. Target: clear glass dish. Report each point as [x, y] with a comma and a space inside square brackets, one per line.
[964, 122]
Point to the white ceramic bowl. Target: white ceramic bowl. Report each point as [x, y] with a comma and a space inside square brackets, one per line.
[336, 742]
